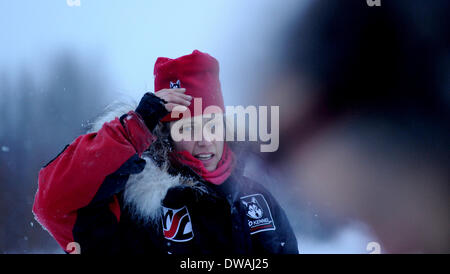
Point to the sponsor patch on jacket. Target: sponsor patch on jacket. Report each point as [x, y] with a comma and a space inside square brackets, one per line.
[258, 213]
[177, 224]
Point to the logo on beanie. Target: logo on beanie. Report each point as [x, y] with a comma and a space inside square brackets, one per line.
[177, 224]
[260, 218]
[177, 84]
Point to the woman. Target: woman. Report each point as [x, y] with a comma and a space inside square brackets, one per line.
[128, 187]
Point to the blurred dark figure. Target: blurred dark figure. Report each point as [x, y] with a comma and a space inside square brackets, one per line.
[364, 116]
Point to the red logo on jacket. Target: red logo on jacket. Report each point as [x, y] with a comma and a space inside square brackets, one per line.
[177, 224]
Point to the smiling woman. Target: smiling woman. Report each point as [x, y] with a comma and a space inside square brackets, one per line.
[207, 150]
[130, 188]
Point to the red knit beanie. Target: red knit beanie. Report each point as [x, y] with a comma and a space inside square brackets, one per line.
[197, 72]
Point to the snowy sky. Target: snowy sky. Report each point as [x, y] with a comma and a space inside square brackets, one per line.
[126, 37]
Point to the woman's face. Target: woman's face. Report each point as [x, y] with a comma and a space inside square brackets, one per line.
[208, 151]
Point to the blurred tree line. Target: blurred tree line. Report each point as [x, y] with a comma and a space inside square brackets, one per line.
[37, 121]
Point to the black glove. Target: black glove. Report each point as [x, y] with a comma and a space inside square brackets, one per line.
[151, 108]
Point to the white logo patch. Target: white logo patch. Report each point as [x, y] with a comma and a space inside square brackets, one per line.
[260, 218]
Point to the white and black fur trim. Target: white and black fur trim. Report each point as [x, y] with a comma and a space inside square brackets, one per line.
[113, 110]
[145, 191]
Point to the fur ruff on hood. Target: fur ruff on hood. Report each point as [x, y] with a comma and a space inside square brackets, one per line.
[144, 191]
